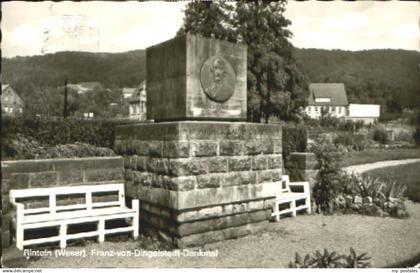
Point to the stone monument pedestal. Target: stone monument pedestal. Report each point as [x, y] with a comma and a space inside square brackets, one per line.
[202, 181]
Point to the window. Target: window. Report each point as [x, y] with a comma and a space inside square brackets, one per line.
[20, 110]
[322, 99]
[339, 110]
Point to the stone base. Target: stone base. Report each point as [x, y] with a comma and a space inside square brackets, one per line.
[202, 181]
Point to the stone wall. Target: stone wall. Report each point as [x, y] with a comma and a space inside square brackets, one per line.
[202, 181]
[44, 173]
[302, 167]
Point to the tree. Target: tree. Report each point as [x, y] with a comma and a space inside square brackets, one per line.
[275, 85]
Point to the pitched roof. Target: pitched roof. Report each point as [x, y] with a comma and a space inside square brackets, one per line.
[4, 86]
[334, 91]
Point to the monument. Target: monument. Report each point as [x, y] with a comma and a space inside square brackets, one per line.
[201, 173]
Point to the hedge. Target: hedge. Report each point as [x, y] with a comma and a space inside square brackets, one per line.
[294, 139]
[52, 132]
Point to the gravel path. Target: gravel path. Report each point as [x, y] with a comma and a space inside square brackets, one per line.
[381, 164]
[386, 240]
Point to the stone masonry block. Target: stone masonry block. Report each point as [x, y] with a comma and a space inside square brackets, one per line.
[218, 165]
[275, 162]
[96, 175]
[141, 147]
[240, 164]
[176, 149]
[70, 176]
[264, 176]
[182, 183]
[141, 163]
[239, 178]
[231, 147]
[158, 165]
[155, 148]
[208, 181]
[186, 167]
[259, 162]
[20, 181]
[204, 148]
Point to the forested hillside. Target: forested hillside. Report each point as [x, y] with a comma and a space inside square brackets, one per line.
[384, 76]
[387, 77]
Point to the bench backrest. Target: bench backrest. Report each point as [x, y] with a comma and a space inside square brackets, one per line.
[54, 192]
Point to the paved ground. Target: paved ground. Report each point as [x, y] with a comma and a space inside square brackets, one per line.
[381, 164]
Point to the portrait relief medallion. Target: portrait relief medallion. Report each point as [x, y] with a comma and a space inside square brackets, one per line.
[218, 79]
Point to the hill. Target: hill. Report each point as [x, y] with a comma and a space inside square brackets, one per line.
[111, 69]
[388, 77]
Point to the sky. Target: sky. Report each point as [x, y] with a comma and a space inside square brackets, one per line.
[34, 28]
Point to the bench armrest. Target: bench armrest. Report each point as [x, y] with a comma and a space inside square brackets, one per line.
[301, 185]
[19, 209]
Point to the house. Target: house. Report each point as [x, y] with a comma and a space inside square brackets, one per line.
[328, 97]
[127, 93]
[85, 87]
[368, 113]
[137, 103]
[331, 98]
[11, 103]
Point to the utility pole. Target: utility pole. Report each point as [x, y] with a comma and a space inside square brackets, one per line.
[65, 99]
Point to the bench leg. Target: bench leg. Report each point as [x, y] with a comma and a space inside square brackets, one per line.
[19, 237]
[293, 207]
[101, 230]
[308, 203]
[63, 235]
[135, 206]
[276, 211]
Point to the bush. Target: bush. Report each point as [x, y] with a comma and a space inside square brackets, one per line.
[23, 147]
[52, 132]
[294, 139]
[380, 136]
[331, 260]
[328, 184]
[357, 142]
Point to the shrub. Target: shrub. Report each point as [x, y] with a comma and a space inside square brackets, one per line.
[52, 132]
[357, 142]
[294, 139]
[23, 147]
[380, 136]
[328, 184]
[331, 260]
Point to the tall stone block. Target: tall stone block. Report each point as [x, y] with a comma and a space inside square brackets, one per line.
[196, 78]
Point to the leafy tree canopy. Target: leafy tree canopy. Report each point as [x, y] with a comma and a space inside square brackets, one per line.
[276, 87]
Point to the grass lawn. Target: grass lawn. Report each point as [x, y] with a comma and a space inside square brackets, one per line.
[409, 174]
[374, 155]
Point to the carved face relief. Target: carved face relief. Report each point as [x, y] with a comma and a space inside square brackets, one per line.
[218, 79]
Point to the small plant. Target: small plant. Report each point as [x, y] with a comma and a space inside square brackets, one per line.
[331, 260]
[328, 184]
[380, 136]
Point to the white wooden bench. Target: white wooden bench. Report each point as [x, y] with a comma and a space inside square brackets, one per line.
[61, 216]
[290, 194]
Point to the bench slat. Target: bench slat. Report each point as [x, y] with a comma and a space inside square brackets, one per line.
[67, 190]
[72, 207]
[78, 220]
[73, 214]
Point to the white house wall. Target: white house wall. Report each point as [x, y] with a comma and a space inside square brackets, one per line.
[364, 110]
